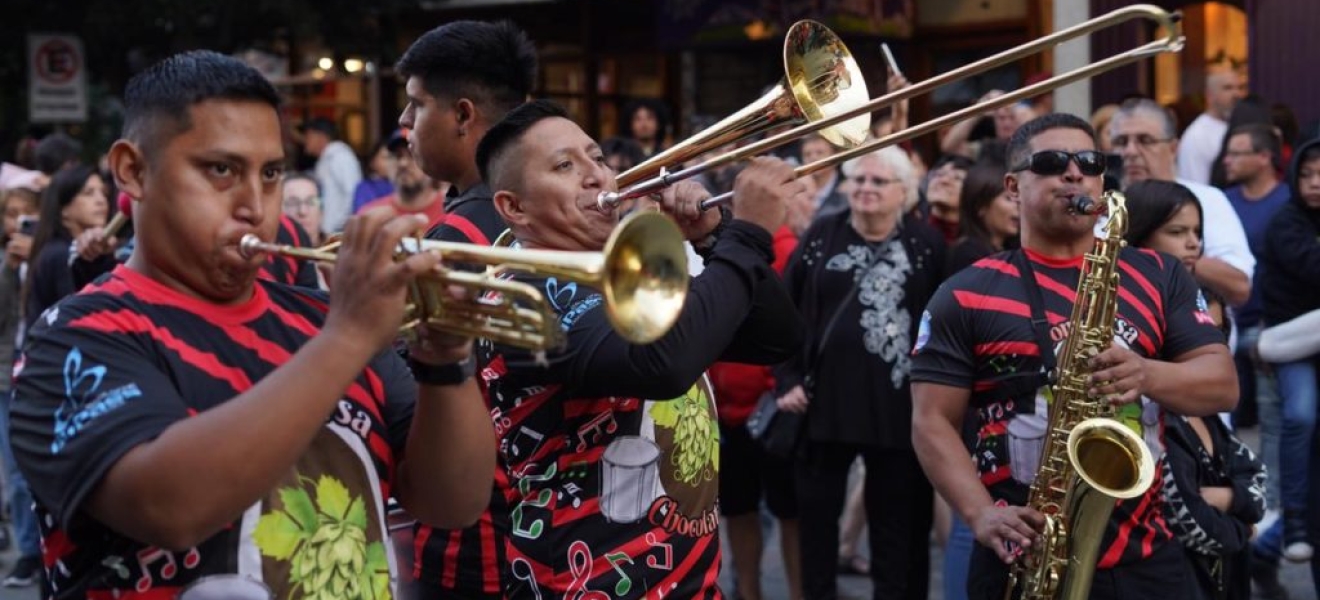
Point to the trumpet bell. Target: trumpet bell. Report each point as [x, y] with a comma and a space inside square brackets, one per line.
[642, 275]
[646, 276]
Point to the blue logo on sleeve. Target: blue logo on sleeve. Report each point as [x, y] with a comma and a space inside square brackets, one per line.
[82, 404]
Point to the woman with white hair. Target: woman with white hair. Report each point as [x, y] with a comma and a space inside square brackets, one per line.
[860, 278]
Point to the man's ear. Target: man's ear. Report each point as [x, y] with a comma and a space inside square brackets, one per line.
[1011, 185]
[465, 116]
[510, 207]
[128, 165]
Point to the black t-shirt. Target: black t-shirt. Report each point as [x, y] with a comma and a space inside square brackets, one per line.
[115, 365]
[976, 334]
[467, 562]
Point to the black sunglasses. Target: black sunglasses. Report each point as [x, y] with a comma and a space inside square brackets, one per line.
[1055, 162]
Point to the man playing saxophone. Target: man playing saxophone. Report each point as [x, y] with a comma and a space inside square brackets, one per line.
[980, 347]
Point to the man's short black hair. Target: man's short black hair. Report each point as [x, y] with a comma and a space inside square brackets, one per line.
[1263, 138]
[157, 100]
[492, 64]
[56, 151]
[504, 135]
[1019, 145]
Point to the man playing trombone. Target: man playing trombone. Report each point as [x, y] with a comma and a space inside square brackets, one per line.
[183, 423]
[612, 448]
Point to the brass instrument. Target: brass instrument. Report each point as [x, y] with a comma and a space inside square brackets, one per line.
[821, 79]
[1089, 459]
[1171, 42]
[642, 275]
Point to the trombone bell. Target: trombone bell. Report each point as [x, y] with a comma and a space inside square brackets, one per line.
[821, 79]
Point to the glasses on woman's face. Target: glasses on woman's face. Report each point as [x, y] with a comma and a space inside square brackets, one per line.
[860, 180]
[293, 203]
[1055, 162]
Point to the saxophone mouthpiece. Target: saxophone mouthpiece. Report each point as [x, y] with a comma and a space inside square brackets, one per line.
[1085, 205]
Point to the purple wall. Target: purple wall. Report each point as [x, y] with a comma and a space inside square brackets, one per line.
[1284, 50]
[1283, 61]
[1112, 86]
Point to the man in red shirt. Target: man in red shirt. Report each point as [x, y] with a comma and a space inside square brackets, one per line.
[414, 192]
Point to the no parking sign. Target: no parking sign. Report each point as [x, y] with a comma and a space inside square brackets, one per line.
[57, 79]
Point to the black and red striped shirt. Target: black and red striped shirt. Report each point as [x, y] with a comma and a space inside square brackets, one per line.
[976, 333]
[466, 563]
[286, 269]
[118, 363]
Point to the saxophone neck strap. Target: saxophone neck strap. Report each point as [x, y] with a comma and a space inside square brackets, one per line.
[1040, 325]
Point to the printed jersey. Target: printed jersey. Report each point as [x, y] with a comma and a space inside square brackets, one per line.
[466, 562]
[115, 365]
[976, 333]
[286, 269]
[611, 496]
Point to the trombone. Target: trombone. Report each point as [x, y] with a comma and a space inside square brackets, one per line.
[821, 79]
[642, 276]
[1171, 42]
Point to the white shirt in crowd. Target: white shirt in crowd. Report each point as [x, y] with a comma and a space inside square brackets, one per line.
[338, 172]
[1198, 149]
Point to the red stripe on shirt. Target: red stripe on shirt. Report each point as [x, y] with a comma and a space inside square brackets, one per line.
[124, 321]
[977, 301]
[467, 228]
[996, 264]
[1154, 324]
[419, 545]
[490, 572]
[1047, 283]
[1021, 348]
[449, 576]
[1132, 273]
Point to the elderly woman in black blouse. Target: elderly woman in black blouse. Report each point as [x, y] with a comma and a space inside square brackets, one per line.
[861, 277]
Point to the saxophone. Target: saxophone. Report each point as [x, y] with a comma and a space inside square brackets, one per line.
[1089, 459]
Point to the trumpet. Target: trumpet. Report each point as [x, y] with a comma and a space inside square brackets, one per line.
[642, 275]
[1171, 42]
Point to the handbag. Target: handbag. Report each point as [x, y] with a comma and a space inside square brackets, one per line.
[777, 431]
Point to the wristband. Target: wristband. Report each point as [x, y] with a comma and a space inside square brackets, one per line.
[450, 374]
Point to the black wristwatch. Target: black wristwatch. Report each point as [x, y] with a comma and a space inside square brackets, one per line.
[451, 374]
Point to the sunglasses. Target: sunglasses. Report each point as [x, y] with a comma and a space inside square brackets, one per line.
[1055, 162]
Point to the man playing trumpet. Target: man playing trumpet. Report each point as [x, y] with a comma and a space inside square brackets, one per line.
[182, 422]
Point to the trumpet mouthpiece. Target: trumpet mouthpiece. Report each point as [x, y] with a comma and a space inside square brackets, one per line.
[251, 245]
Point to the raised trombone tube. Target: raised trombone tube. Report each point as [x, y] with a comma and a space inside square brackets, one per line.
[1171, 42]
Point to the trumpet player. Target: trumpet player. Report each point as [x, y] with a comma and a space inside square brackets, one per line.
[186, 425]
[986, 337]
[610, 447]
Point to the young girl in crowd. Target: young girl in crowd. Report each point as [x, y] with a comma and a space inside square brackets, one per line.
[1214, 486]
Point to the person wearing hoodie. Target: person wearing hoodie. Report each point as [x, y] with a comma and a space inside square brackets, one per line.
[1290, 265]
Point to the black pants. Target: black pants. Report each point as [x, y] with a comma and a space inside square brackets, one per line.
[898, 512]
[1161, 576]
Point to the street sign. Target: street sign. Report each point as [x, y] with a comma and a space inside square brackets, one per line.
[57, 79]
